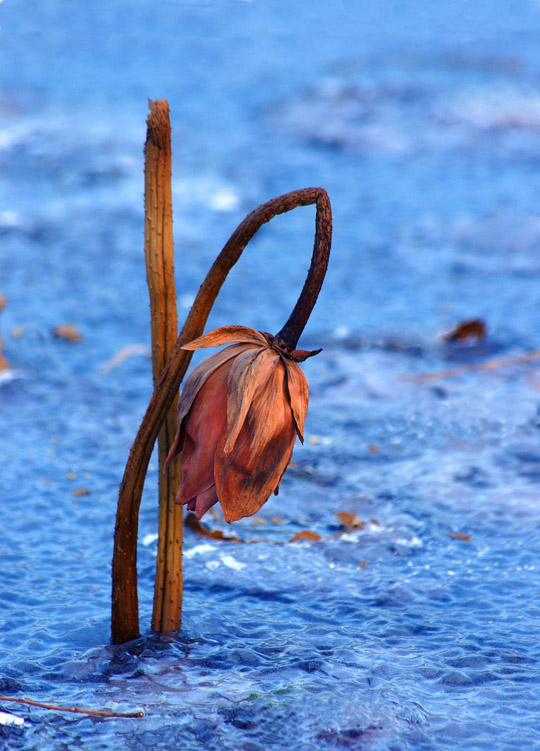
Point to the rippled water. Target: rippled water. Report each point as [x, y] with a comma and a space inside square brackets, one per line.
[423, 123]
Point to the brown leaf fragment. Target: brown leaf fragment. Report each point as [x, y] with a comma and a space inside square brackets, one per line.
[373, 449]
[67, 331]
[277, 519]
[350, 521]
[201, 529]
[472, 330]
[306, 535]
[362, 564]
[460, 536]
[81, 491]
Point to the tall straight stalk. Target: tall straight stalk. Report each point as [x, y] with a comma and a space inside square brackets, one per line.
[159, 256]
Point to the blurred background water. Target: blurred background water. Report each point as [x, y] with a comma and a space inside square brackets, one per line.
[422, 121]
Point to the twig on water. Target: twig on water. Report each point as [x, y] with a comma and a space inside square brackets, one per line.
[92, 712]
[502, 362]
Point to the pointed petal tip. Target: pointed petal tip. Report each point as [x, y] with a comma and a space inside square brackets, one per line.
[299, 355]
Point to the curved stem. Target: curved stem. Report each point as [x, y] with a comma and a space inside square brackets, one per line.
[125, 615]
[291, 332]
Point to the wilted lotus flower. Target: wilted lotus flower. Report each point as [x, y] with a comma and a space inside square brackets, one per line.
[238, 417]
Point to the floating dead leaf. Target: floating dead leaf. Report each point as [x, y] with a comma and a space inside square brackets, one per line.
[373, 449]
[258, 521]
[81, 491]
[201, 529]
[67, 331]
[460, 536]
[375, 521]
[277, 519]
[473, 330]
[3, 302]
[124, 354]
[306, 535]
[350, 521]
[362, 564]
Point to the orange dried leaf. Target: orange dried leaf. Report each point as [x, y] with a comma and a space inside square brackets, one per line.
[306, 535]
[67, 331]
[362, 564]
[473, 329]
[349, 520]
[460, 536]
[81, 491]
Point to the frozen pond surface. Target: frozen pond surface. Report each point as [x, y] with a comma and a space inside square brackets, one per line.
[423, 123]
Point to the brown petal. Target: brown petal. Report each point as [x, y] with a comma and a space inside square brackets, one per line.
[246, 478]
[193, 385]
[249, 371]
[205, 501]
[201, 430]
[227, 335]
[298, 395]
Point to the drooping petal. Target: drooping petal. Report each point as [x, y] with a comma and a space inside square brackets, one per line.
[201, 429]
[193, 385]
[249, 372]
[298, 391]
[246, 477]
[227, 335]
[205, 501]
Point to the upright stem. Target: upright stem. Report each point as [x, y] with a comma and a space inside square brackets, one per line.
[159, 256]
[125, 616]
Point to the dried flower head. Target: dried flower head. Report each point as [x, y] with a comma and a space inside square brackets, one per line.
[238, 417]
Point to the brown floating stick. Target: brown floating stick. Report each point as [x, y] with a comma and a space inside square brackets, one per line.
[125, 610]
[4, 365]
[502, 362]
[93, 712]
[159, 256]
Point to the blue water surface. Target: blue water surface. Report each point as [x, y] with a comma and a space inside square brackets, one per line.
[417, 630]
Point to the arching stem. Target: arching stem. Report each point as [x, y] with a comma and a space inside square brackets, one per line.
[291, 332]
[125, 610]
